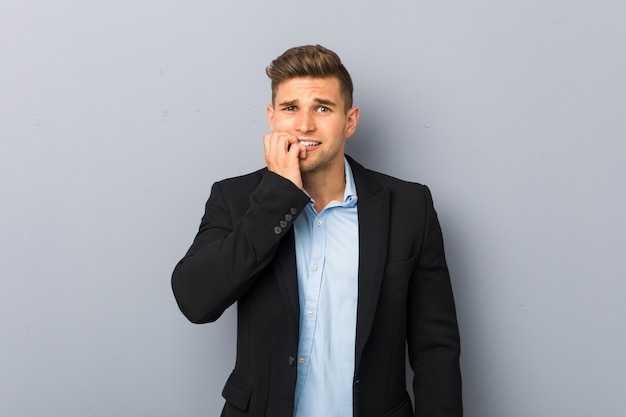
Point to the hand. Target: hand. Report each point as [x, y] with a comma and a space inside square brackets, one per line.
[283, 152]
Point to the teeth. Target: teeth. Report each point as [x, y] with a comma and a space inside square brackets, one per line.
[309, 143]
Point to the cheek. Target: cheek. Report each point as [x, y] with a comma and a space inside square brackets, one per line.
[278, 122]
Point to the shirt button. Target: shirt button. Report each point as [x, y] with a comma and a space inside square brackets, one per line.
[309, 314]
[319, 223]
[316, 267]
[301, 360]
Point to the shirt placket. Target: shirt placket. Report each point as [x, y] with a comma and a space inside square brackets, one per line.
[315, 269]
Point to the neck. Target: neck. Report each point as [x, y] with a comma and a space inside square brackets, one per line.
[324, 187]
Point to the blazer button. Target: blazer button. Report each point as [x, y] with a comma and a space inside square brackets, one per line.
[278, 230]
[288, 217]
[283, 224]
[292, 361]
[293, 211]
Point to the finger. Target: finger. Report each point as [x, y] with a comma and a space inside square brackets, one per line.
[280, 141]
[296, 148]
[302, 153]
[271, 144]
[276, 149]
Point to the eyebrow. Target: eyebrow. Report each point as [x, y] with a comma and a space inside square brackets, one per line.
[288, 103]
[322, 101]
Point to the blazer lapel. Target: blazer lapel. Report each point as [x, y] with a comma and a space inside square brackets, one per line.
[373, 209]
[287, 280]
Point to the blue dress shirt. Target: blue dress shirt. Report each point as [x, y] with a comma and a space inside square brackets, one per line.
[327, 258]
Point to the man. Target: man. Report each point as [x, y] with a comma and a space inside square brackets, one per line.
[335, 269]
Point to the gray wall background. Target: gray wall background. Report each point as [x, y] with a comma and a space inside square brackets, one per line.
[117, 116]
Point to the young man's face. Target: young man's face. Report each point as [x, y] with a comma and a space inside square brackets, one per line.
[313, 110]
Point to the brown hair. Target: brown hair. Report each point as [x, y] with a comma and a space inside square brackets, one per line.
[310, 61]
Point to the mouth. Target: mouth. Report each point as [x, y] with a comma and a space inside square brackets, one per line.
[309, 143]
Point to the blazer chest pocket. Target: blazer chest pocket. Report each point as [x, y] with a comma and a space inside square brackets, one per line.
[403, 267]
[237, 392]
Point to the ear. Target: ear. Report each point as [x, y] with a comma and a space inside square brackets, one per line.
[352, 120]
[270, 115]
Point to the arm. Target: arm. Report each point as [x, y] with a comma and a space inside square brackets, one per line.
[231, 249]
[433, 336]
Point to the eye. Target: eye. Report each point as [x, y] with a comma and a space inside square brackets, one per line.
[290, 108]
[323, 109]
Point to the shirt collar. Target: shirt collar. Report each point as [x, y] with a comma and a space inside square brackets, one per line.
[350, 197]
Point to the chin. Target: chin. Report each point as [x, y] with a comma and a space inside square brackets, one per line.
[319, 163]
[314, 166]
[308, 166]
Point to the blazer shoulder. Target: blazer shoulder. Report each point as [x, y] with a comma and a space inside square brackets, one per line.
[235, 192]
[251, 178]
[395, 182]
[373, 180]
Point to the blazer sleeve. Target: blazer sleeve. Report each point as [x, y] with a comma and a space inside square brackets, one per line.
[432, 333]
[237, 239]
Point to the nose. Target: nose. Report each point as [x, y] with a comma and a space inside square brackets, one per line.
[305, 122]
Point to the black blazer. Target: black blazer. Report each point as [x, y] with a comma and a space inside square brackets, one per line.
[244, 252]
